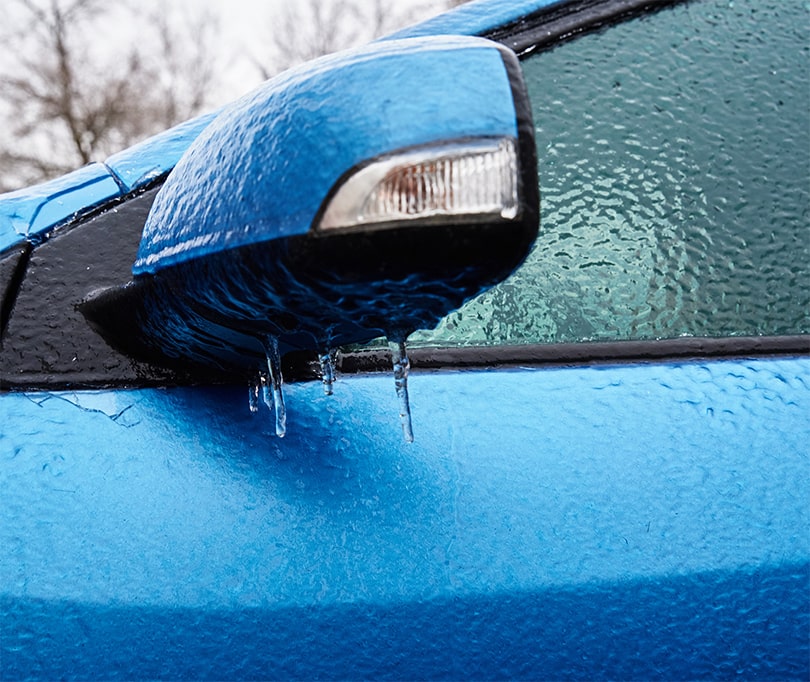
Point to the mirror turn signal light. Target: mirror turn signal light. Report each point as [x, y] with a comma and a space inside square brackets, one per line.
[468, 181]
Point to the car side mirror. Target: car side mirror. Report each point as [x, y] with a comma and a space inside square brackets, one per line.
[365, 194]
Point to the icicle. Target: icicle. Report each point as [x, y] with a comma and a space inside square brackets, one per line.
[327, 371]
[276, 381]
[254, 389]
[267, 396]
[399, 358]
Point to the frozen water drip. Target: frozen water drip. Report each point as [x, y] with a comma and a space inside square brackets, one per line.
[267, 396]
[399, 359]
[254, 390]
[327, 371]
[276, 381]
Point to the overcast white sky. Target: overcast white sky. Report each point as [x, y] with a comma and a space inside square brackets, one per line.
[246, 27]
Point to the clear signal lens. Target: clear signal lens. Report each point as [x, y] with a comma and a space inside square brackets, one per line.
[475, 180]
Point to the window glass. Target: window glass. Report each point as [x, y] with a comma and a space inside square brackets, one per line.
[674, 166]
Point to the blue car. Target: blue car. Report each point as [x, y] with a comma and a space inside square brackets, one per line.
[481, 351]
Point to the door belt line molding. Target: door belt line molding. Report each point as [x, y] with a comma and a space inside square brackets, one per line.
[555, 24]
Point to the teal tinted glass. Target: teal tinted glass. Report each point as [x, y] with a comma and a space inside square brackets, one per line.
[674, 165]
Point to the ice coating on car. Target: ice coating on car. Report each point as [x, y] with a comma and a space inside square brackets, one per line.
[232, 252]
[276, 381]
[196, 545]
[29, 213]
[327, 371]
[254, 391]
[250, 177]
[267, 386]
[399, 359]
[675, 200]
[148, 160]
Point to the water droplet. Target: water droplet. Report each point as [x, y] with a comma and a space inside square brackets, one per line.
[327, 371]
[254, 389]
[399, 358]
[275, 381]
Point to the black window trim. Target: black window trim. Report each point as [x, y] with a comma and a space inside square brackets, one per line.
[565, 21]
[685, 348]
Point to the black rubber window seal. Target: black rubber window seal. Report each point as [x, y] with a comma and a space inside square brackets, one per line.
[561, 22]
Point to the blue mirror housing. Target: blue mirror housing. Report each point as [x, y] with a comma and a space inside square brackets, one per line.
[368, 193]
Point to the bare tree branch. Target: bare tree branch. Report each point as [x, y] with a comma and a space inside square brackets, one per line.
[66, 105]
[312, 28]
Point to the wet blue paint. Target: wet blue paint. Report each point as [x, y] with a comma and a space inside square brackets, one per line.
[250, 176]
[29, 213]
[610, 522]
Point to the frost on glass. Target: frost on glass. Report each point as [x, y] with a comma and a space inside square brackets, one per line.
[675, 184]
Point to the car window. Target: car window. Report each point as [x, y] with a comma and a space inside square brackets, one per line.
[674, 179]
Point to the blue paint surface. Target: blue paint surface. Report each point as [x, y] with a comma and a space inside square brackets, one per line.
[615, 522]
[29, 213]
[251, 175]
[152, 158]
[474, 18]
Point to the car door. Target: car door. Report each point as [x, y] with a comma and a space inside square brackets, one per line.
[609, 472]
